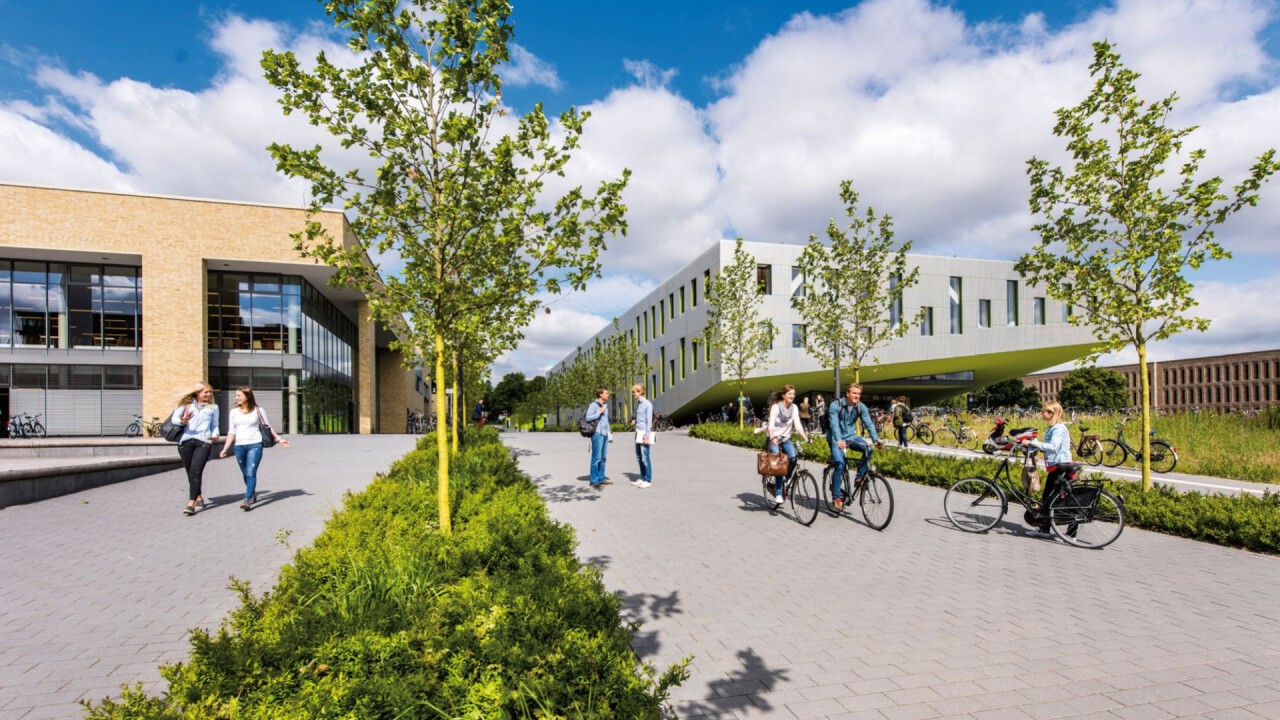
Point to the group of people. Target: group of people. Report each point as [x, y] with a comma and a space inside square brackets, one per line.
[598, 412]
[200, 417]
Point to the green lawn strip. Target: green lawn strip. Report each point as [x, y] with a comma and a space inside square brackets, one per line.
[1242, 521]
[384, 617]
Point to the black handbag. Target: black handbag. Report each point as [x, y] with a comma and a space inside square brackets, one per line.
[172, 431]
[268, 437]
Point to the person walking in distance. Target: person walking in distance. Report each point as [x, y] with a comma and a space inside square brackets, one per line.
[820, 407]
[198, 412]
[598, 411]
[479, 413]
[244, 434]
[901, 418]
[644, 436]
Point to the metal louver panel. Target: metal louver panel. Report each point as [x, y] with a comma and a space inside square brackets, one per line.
[74, 412]
[119, 407]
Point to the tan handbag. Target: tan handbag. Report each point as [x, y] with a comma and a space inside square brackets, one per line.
[772, 463]
[1030, 476]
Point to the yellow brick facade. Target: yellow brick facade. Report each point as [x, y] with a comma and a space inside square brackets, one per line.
[176, 241]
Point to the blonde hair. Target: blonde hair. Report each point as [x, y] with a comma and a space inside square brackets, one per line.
[638, 388]
[190, 394]
[1055, 411]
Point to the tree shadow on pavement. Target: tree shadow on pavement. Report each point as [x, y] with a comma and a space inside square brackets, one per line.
[517, 453]
[599, 562]
[639, 607]
[569, 493]
[744, 689]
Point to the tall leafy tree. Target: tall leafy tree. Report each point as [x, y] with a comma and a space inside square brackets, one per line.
[457, 200]
[1116, 238]
[1094, 387]
[853, 288]
[1006, 393]
[739, 339]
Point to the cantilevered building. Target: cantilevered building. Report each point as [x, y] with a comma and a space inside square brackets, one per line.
[982, 324]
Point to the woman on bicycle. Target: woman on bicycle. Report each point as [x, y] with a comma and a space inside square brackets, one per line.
[784, 419]
[1057, 452]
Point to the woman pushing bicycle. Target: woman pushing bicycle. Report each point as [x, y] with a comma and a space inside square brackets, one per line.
[784, 419]
[1057, 454]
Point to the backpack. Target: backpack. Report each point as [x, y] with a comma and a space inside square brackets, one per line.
[908, 417]
[587, 428]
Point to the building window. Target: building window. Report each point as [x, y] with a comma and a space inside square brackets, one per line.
[693, 347]
[693, 291]
[767, 342]
[1066, 306]
[672, 368]
[1011, 302]
[956, 295]
[706, 352]
[662, 365]
[55, 305]
[797, 336]
[671, 306]
[682, 362]
[926, 324]
[797, 282]
[261, 313]
[764, 279]
[1037, 311]
[984, 313]
[662, 318]
[895, 303]
[682, 308]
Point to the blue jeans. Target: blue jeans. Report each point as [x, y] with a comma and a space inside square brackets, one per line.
[646, 465]
[789, 448]
[599, 453]
[838, 460]
[248, 456]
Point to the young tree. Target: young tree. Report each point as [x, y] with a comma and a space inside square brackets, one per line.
[1094, 387]
[622, 363]
[740, 341]
[1115, 241]
[1008, 392]
[456, 200]
[852, 302]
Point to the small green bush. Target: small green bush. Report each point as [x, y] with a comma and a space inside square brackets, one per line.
[385, 617]
[1245, 521]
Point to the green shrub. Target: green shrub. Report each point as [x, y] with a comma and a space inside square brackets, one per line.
[384, 617]
[1245, 521]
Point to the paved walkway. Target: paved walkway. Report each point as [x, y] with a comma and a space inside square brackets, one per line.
[920, 621]
[99, 588]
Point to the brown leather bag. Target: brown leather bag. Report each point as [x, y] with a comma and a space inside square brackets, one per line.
[771, 463]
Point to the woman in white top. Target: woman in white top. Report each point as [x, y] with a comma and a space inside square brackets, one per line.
[243, 432]
[198, 412]
[784, 419]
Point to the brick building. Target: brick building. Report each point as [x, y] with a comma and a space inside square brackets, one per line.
[112, 303]
[1243, 381]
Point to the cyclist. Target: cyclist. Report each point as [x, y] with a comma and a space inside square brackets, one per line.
[784, 419]
[842, 432]
[1057, 454]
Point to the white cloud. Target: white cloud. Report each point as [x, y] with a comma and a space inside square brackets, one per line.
[527, 69]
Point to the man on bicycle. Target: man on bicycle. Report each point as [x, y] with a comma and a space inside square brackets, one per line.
[842, 432]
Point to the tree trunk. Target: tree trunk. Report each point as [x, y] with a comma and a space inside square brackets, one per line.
[457, 390]
[1145, 400]
[442, 443]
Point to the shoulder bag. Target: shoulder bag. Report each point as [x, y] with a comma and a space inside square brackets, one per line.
[268, 437]
[172, 431]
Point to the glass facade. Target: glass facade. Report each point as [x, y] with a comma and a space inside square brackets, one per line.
[70, 305]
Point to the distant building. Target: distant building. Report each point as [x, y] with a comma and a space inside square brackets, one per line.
[983, 324]
[1244, 381]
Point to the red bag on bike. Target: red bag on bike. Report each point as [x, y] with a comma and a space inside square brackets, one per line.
[772, 463]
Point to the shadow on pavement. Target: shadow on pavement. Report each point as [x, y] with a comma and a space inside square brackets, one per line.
[570, 493]
[521, 452]
[636, 608]
[727, 695]
[266, 497]
[753, 502]
[1004, 527]
[599, 562]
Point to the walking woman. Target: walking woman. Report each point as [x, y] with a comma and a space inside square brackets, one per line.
[784, 419]
[243, 432]
[198, 412]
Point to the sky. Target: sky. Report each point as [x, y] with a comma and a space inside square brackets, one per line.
[735, 118]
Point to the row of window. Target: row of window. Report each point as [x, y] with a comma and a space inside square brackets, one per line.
[653, 324]
[1261, 370]
[69, 305]
[1256, 393]
[71, 377]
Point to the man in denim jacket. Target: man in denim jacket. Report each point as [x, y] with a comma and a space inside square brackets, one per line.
[843, 417]
[598, 410]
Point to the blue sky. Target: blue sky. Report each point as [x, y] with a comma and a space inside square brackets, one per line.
[737, 118]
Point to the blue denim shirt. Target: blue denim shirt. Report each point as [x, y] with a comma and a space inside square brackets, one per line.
[202, 425]
[644, 415]
[599, 410]
[842, 422]
[1056, 445]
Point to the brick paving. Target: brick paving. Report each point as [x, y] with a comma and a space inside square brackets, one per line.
[99, 588]
[919, 621]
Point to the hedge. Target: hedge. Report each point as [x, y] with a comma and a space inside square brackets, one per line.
[385, 617]
[1242, 521]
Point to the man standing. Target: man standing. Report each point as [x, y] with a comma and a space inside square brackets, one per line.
[480, 413]
[842, 432]
[598, 411]
[644, 436]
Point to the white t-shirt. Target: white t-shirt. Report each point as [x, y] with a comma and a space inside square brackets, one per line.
[245, 425]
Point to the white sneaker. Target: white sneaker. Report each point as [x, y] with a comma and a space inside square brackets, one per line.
[643, 484]
[637, 482]
[775, 500]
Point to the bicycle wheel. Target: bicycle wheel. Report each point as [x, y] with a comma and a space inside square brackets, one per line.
[1113, 454]
[1163, 458]
[1091, 452]
[971, 440]
[974, 504]
[828, 477]
[766, 491]
[133, 430]
[37, 429]
[876, 501]
[924, 433]
[946, 437]
[1087, 517]
[804, 497]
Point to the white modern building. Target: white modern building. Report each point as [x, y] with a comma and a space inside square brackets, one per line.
[983, 324]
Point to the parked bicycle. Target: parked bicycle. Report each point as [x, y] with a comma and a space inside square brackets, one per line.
[416, 423]
[954, 433]
[920, 430]
[662, 424]
[22, 425]
[146, 428]
[1089, 448]
[799, 487]
[1081, 513]
[1115, 452]
[872, 492]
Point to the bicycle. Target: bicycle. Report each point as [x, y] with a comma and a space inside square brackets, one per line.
[1089, 448]
[146, 428]
[23, 425]
[874, 495]
[662, 424]
[955, 433]
[1081, 514]
[799, 487]
[920, 430]
[1115, 452]
[16, 427]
